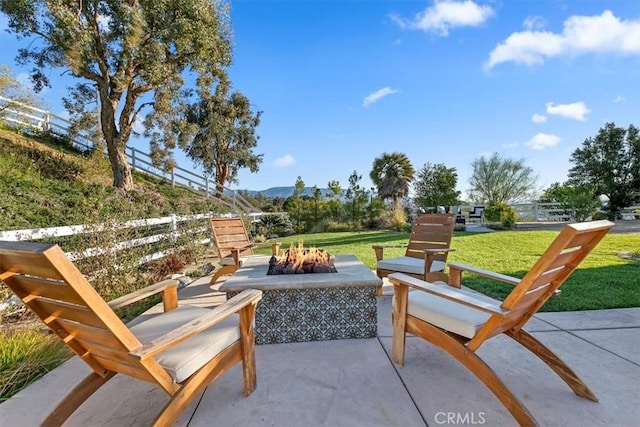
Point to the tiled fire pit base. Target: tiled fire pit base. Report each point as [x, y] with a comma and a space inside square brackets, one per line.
[311, 307]
[298, 315]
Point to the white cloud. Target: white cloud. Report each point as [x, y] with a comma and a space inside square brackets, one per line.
[580, 35]
[284, 161]
[618, 99]
[576, 110]
[540, 141]
[538, 118]
[444, 15]
[377, 96]
[534, 23]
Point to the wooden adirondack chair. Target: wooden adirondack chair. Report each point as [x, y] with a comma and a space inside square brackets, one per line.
[231, 240]
[427, 251]
[459, 321]
[180, 350]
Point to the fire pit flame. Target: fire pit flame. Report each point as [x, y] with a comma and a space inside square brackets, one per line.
[299, 260]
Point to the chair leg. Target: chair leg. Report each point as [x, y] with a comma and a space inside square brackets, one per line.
[225, 269]
[477, 366]
[247, 341]
[76, 397]
[398, 322]
[196, 384]
[553, 362]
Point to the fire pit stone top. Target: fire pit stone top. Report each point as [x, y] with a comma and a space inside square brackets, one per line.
[253, 275]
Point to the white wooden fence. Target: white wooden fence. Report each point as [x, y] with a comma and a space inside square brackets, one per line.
[171, 221]
[23, 115]
[536, 211]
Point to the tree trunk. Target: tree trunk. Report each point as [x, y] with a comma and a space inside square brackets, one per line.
[122, 176]
[222, 170]
[395, 202]
[115, 141]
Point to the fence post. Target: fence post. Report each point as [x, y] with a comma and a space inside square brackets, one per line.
[535, 211]
[47, 122]
[174, 227]
[173, 177]
[206, 186]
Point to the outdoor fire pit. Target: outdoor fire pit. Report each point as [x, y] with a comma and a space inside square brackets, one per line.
[310, 307]
[301, 260]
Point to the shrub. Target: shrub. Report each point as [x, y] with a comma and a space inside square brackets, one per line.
[382, 222]
[273, 224]
[395, 219]
[502, 213]
[337, 227]
[598, 215]
[171, 264]
[26, 355]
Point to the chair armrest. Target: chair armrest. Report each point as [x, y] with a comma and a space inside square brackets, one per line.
[199, 324]
[169, 289]
[235, 252]
[456, 269]
[447, 292]
[379, 249]
[429, 257]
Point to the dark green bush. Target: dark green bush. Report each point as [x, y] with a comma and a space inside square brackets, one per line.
[502, 213]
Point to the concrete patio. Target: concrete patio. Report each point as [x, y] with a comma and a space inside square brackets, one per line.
[354, 383]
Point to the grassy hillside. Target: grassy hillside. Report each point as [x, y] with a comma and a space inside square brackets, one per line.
[47, 185]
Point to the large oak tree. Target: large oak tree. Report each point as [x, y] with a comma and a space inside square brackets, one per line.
[609, 164]
[135, 54]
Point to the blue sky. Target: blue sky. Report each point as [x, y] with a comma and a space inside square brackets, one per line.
[341, 82]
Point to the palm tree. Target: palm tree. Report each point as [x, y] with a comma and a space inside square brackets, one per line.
[391, 174]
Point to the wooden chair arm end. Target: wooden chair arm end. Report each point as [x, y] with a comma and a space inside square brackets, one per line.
[169, 289]
[456, 269]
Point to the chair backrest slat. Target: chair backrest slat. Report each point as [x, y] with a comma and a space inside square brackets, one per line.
[43, 287]
[29, 264]
[122, 367]
[229, 233]
[67, 311]
[562, 257]
[431, 231]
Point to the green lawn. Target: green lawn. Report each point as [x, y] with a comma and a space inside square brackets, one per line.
[603, 280]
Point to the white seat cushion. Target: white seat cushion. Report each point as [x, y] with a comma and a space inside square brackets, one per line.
[449, 315]
[407, 264]
[185, 358]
